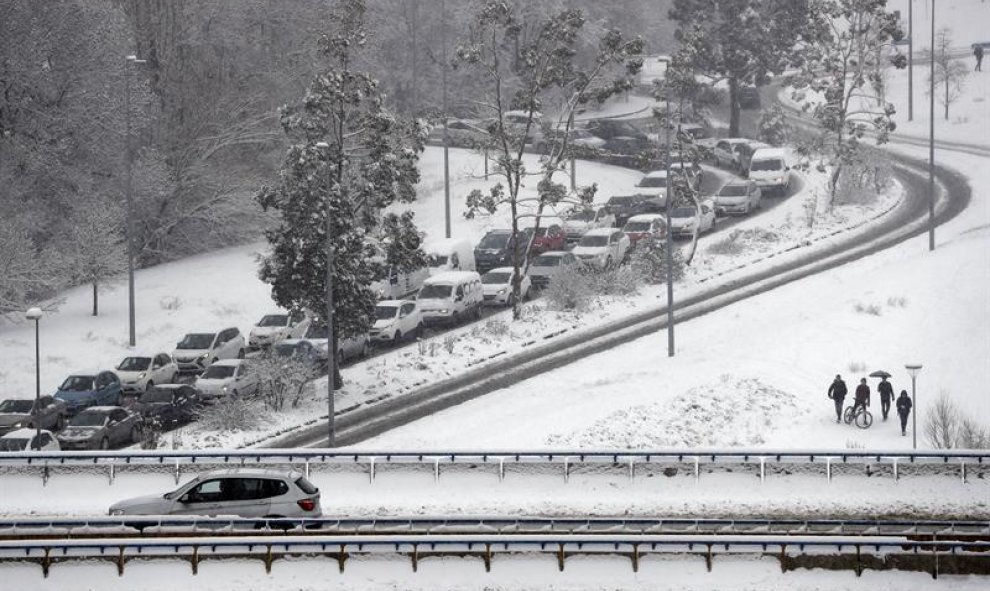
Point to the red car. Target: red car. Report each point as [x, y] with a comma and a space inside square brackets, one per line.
[548, 238]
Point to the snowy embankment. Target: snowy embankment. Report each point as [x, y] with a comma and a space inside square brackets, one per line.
[196, 294]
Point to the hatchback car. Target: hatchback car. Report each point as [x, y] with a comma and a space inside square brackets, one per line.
[168, 405]
[241, 492]
[349, 348]
[546, 238]
[738, 197]
[101, 427]
[579, 220]
[496, 285]
[396, 320]
[84, 389]
[138, 374]
[547, 265]
[227, 376]
[29, 440]
[277, 327]
[46, 412]
[684, 220]
[197, 351]
[603, 247]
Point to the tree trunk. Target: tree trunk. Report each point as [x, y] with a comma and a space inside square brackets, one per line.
[733, 107]
[338, 382]
[96, 300]
[946, 98]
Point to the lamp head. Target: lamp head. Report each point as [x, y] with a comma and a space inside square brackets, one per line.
[34, 313]
[913, 369]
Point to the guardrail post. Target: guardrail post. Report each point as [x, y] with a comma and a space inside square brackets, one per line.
[962, 470]
[567, 473]
[415, 557]
[708, 558]
[177, 470]
[112, 471]
[45, 475]
[46, 562]
[560, 557]
[697, 469]
[897, 476]
[268, 559]
[632, 469]
[371, 472]
[763, 470]
[635, 558]
[488, 558]
[501, 469]
[120, 560]
[934, 558]
[341, 557]
[436, 470]
[828, 469]
[306, 468]
[194, 560]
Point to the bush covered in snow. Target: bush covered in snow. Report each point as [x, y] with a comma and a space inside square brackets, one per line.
[230, 413]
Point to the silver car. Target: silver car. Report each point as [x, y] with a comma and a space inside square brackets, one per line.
[239, 491]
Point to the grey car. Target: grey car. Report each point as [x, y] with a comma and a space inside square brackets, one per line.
[242, 492]
[101, 427]
[45, 413]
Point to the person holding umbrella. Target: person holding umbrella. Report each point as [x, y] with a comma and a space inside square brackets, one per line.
[886, 391]
[904, 409]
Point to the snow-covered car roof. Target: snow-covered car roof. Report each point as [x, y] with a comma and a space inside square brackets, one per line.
[452, 276]
[646, 217]
[655, 174]
[103, 408]
[394, 302]
[553, 253]
[230, 362]
[23, 434]
[601, 232]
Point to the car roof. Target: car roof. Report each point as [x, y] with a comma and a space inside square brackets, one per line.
[229, 362]
[501, 270]
[553, 253]
[655, 174]
[601, 232]
[452, 276]
[293, 474]
[394, 302]
[646, 217]
[737, 183]
[23, 434]
[769, 152]
[734, 140]
[440, 245]
[172, 386]
[498, 231]
[102, 408]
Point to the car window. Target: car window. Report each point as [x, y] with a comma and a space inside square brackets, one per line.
[306, 486]
[43, 440]
[118, 415]
[209, 491]
[408, 308]
[274, 488]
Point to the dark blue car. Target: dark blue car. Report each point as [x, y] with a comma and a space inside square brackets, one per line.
[83, 390]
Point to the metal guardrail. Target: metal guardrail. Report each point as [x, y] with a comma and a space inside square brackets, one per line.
[55, 528]
[565, 460]
[266, 549]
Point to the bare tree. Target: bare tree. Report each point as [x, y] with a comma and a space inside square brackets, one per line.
[281, 378]
[942, 423]
[94, 251]
[950, 74]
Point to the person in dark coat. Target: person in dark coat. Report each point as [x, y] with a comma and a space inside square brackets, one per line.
[862, 396]
[886, 396]
[903, 410]
[837, 392]
[978, 52]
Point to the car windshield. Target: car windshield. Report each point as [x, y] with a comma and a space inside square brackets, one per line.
[496, 278]
[273, 320]
[77, 383]
[385, 312]
[16, 406]
[581, 215]
[733, 191]
[593, 241]
[196, 341]
[218, 372]
[769, 164]
[437, 260]
[697, 133]
[88, 418]
[652, 181]
[156, 395]
[316, 331]
[13, 444]
[435, 292]
[637, 227]
[134, 364]
[682, 212]
[621, 201]
[285, 349]
[547, 261]
[494, 241]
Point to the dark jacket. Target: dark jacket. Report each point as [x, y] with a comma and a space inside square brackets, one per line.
[886, 391]
[904, 405]
[837, 390]
[863, 393]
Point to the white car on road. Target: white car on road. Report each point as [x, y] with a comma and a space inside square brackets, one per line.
[602, 247]
[227, 377]
[725, 153]
[547, 265]
[140, 373]
[497, 287]
[198, 350]
[738, 197]
[396, 320]
[684, 220]
[275, 327]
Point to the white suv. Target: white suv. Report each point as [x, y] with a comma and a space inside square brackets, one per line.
[602, 247]
[198, 350]
[396, 320]
[275, 327]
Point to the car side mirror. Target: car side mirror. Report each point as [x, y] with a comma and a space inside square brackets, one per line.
[458, 298]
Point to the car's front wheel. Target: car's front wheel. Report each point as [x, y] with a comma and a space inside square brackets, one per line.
[149, 385]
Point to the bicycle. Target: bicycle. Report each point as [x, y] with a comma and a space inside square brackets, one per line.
[863, 418]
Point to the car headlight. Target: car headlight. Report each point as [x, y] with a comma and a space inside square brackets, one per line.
[224, 388]
[20, 425]
[142, 375]
[116, 512]
[204, 356]
[501, 291]
[444, 311]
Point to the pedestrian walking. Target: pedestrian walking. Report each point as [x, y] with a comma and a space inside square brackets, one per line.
[903, 410]
[837, 392]
[862, 399]
[886, 396]
[978, 52]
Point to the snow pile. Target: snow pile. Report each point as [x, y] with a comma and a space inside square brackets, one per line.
[734, 411]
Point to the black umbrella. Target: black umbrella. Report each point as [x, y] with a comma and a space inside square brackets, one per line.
[879, 374]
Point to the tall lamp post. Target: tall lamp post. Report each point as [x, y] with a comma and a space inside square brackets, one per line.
[669, 240]
[331, 350]
[914, 369]
[931, 141]
[129, 233]
[35, 314]
[910, 60]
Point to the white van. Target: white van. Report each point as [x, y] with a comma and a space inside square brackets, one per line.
[768, 168]
[450, 297]
[398, 285]
[449, 254]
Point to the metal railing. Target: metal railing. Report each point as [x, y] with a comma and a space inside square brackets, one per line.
[416, 547]
[564, 460]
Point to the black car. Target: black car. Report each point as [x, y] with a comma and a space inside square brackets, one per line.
[748, 97]
[496, 249]
[624, 207]
[620, 136]
[168, 405]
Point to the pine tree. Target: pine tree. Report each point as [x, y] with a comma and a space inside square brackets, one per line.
[349, 158]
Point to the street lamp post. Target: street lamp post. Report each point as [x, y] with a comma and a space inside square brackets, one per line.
[910, 60]
[914, 369]
[669, 239]
[129, 233]
[35, 314]
[931, 141]
[331, 349]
